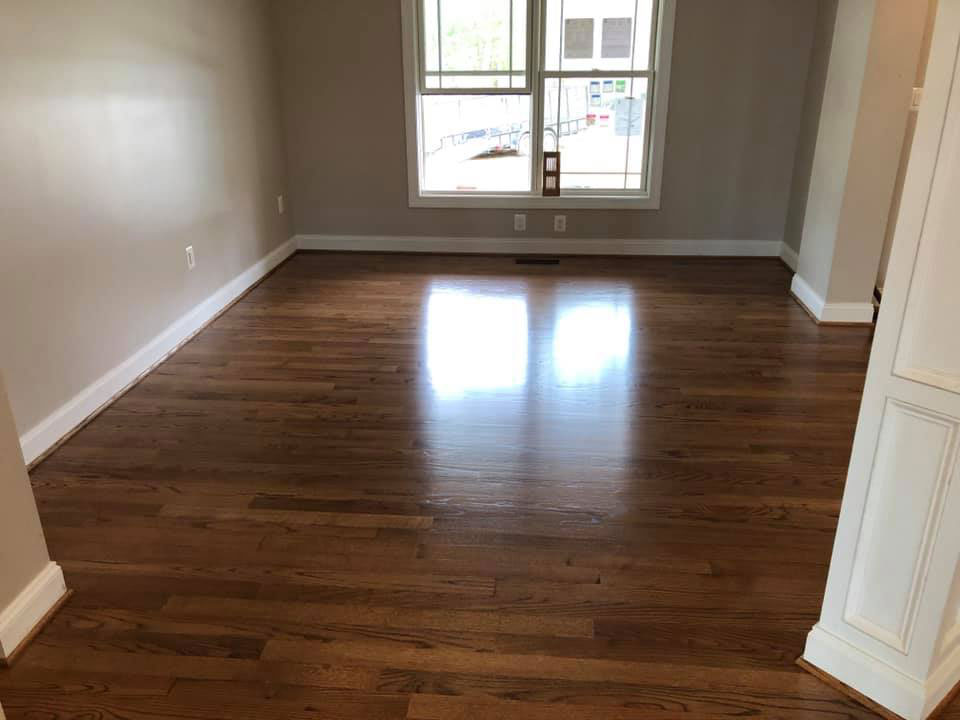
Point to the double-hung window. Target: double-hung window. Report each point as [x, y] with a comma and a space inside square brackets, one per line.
[493, 84]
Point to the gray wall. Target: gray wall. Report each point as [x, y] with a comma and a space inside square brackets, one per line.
[129, 129]
[739, 82]
[810, 121]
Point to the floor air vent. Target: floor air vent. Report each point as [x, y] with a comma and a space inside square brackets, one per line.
[538, 261]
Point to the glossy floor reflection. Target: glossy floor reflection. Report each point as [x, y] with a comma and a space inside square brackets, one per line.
[519, 394]
[592, 338]
[476, 342]
[454, 487]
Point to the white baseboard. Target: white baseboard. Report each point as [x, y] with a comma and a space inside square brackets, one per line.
[942, 682]
[790, 257]
[65, 419]
[824, 312]
[544, 246]
[808, 296]
[866, 674]
[21, 616]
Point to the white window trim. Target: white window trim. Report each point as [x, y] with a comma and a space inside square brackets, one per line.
[596, 200]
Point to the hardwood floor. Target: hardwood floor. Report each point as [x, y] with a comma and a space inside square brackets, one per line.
[455, 488]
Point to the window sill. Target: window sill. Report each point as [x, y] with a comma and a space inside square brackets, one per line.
[533, 202]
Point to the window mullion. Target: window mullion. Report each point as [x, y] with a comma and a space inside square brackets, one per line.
[560, 74]
[473, 73]
[633, 63]
[476, 91]
[510, 63]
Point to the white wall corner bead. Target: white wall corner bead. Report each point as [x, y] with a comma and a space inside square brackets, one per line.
[829, 313]
[790, 257]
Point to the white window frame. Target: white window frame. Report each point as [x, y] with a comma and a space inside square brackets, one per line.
[658, 76]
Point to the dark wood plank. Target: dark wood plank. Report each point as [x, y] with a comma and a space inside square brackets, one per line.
[315, 617]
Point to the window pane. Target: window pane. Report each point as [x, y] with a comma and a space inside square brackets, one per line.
[519, 37]
[431, 49]
[607, 35]
[477, 37]
[476, 142]
[600, 125]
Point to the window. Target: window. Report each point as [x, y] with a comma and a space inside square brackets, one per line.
[492, 84]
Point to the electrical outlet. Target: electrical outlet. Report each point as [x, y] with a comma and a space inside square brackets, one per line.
[520, 223]
[191, 258]
[560, 223]
[280, 207]
[916, 99]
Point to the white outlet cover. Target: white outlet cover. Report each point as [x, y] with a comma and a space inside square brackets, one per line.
[560, 223]
[191, 258]
[280, 204]
[916, 99]
[519, 223]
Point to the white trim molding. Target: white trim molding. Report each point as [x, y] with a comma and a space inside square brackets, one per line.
[93, 398]
[907, 696]
[21, 616]
[790, 257]
[540, 246]
[830, 313]
[870, 675]
[928, 481]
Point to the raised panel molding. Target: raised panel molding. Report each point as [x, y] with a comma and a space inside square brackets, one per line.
[899, 529]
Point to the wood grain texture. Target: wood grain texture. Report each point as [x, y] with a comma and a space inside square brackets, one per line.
[445, 488]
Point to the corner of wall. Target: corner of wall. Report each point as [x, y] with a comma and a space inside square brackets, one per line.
[820, 52]
[35, 603]
[30, 584]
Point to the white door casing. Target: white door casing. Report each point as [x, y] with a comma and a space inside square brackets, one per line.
[890, 625]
